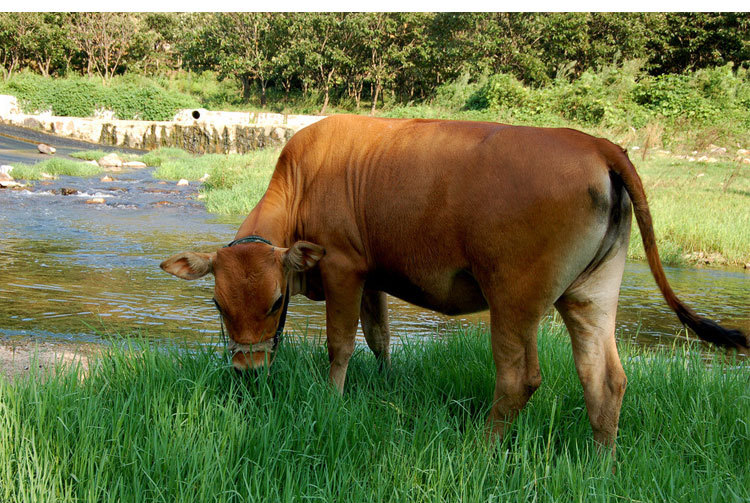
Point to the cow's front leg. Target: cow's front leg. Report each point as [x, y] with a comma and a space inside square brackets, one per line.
[343, 291]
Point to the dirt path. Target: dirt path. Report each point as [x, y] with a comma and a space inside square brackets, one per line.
[19, 358]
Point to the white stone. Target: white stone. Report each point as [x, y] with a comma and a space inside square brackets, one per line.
[5, 177]
[110, 161]
[96, 200]
[183, 182]
[134, 164]
[743, 151]
[92, 162]
[46, 149]
[204, 177]
[6, 169]
[107, 178]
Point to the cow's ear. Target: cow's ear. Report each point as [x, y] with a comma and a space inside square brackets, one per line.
[190, 265]
[303, 256]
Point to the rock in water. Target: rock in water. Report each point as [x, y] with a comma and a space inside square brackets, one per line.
[96, 200]
[134, 165]
[67, 191]
[5, 173]
[110, 161]
[46, 149]
[183, 182]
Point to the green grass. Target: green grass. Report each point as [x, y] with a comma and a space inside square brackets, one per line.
[176, 424]
[54, 167]
[235, 184]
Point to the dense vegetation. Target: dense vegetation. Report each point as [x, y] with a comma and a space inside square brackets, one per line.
[156, 424]
[354, 59]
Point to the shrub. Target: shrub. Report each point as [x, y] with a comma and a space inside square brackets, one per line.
[131, 101]
[674, 96]
[502, 91]
[80, 97]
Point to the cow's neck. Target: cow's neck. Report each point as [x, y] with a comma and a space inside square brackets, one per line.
[269, 219]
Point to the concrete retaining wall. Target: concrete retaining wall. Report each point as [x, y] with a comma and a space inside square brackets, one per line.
[198, 131]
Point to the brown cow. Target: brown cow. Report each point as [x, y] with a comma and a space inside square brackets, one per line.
[452, 216]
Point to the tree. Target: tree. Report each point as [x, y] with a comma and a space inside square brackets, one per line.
[16, 39]
[389, 40]
[105, 38]
[326, 50]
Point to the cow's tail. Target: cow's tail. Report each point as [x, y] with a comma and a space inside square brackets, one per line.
[706, 329]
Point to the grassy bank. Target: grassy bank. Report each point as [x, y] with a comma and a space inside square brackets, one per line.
[701, 212]
[176, 425]
[235, 183]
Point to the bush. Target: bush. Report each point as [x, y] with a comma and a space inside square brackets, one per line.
[502, 91]
[131, 101]
[80, 97]
[674, 96]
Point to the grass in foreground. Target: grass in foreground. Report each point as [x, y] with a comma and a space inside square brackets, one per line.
[53, 167]
[179, 425]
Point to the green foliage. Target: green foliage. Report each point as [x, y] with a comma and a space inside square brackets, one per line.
[176, 424]
[502, 91]
[674, 96]
[130, 101]
[80, 97]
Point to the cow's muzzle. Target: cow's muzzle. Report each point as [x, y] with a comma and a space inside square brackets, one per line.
[252, 356]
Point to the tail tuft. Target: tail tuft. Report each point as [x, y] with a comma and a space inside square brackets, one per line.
[712, 332]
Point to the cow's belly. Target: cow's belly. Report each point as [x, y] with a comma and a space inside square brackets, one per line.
[451, 293]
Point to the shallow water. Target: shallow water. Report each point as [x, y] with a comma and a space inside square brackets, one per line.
[77, 272]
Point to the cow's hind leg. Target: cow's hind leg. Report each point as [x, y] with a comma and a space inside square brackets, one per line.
[514, 350]
[588, 308]
[374, 317]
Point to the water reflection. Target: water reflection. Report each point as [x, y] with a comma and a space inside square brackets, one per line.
[72, 271]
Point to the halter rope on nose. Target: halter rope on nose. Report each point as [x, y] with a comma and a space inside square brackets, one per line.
[269, 345]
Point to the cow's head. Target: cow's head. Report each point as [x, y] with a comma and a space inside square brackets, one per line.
[251, 282]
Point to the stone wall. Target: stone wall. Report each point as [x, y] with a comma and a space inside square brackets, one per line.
[198, 131]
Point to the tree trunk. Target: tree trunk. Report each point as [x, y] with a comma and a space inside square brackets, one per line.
[245, 87]
[325, 102]
[378, 87]
[263, 85]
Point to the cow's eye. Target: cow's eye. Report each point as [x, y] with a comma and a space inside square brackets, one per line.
[277, 305]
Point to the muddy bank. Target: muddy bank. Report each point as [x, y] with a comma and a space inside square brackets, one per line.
[24, 357]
